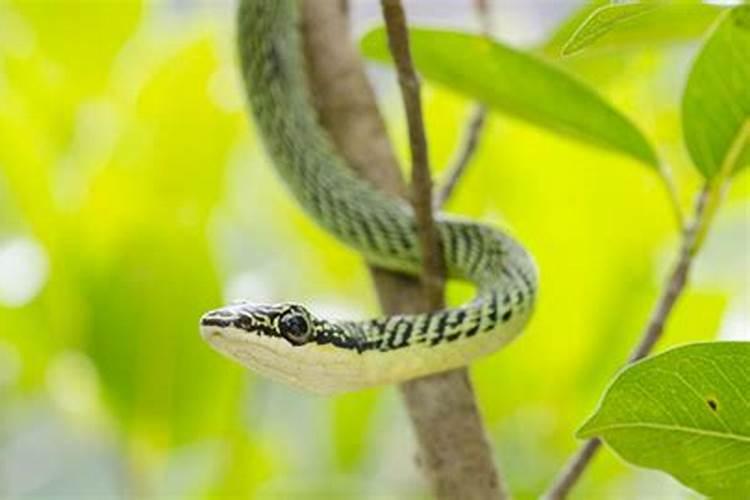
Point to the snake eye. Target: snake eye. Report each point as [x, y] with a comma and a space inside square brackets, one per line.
[295, 327]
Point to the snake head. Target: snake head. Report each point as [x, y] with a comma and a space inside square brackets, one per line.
[282, 341]
[291, 322]
[287, 343]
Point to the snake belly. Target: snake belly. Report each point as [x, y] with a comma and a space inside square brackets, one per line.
[289, 343]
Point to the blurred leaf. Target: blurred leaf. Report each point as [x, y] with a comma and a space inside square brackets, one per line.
[687, 412]
[146, 268]
[85, 54]
[520, 85]
[601, 21]
[249, 461]
[716, 103]
[352, 416]
[641, 24]
[554, 44]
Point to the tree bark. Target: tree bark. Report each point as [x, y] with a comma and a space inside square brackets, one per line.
[455, 455]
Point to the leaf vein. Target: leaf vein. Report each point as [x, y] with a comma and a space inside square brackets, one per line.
[668, 427]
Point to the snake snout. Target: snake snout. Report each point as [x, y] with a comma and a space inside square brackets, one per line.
[220, 317]
[213, 322]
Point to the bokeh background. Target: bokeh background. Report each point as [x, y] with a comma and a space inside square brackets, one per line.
[134, 195]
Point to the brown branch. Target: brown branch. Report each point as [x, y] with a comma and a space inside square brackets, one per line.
[346, 103]
[573, 470]
[455, 454]
[675, 285]
[433, 268]
[454, 451]
[347, 109]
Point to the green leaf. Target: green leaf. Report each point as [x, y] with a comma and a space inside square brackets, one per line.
[686, 412]
[552, 47]
[641, 24]
[716, 103]
[601, 21]
[518, 84]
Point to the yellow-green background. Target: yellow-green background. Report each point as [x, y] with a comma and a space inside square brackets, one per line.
[134, 196]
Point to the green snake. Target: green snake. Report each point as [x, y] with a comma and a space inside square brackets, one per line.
[289, 343]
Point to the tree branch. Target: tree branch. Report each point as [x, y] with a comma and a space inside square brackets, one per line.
[675, 285]
[433, 268]
[347, 109]
[455, 454]
[693, 236]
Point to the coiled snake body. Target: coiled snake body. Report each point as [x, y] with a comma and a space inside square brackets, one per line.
[286, 341]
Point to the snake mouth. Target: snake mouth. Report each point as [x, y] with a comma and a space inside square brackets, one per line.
[212, 324]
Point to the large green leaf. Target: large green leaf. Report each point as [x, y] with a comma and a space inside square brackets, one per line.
[520, 85]
[641, 24]
[687, 412]
[716, 103]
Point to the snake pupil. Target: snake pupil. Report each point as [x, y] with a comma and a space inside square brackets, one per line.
[295, 328]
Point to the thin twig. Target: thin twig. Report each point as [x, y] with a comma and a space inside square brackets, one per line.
[693, 237]
[652, 333]
[465, 152]
[473, 128]
[675, 284]
[433, 268]
[573, 470]
[454, 452]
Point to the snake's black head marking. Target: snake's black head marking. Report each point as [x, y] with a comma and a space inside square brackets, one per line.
[291, 322]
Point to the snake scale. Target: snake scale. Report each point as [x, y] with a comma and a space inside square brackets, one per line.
[287, 342]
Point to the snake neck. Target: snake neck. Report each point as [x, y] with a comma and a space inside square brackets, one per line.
[378, 226]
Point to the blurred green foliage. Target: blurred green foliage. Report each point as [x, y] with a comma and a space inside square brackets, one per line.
[640, 24]
[134, 195]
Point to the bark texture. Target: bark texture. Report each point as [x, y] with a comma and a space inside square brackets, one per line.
[455, 455]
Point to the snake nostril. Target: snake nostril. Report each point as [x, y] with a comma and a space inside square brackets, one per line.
[220, 313]
[244, 322]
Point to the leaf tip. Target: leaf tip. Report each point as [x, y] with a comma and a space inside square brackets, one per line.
[571, 47]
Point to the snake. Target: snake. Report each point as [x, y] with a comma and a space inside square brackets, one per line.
[287, 342]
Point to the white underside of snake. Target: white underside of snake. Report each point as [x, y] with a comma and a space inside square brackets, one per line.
[287, 342]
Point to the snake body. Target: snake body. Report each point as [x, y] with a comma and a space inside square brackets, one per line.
[289, 343]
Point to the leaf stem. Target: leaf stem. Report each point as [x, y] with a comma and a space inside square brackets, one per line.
[674, 200]
[720, 183]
